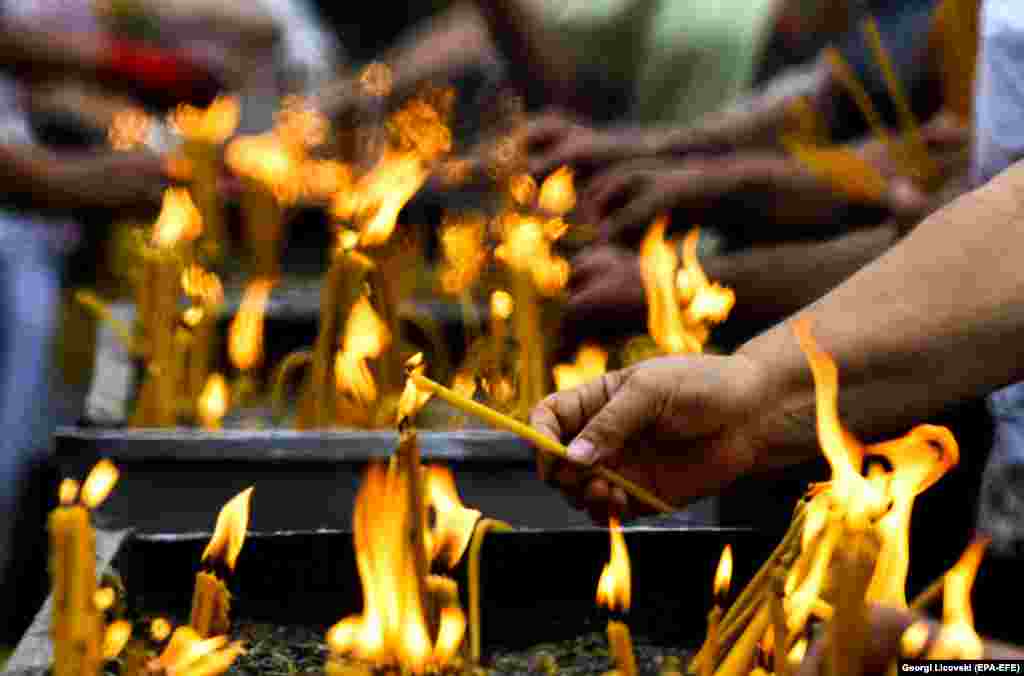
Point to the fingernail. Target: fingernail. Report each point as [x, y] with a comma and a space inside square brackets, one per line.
[581, 450]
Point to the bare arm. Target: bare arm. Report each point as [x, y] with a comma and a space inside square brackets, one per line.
[936, 320]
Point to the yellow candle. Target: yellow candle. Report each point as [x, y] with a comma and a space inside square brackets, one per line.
[740, 659]
[620, 644]
[211, 606]
[543, 442]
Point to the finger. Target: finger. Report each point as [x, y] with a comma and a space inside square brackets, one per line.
[597, 501]
[608, 426]
[606, 192]
[558, 153]
[634, 217]
[544, 420]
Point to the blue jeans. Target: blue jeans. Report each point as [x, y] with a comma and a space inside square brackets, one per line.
[29, 297]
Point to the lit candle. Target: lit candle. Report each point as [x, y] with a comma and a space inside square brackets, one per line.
[211, 601]
[213, 402]
[77, 629]
[614, 591]
[720, 590]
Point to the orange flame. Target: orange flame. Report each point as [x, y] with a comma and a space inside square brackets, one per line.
[723, 575]
[202, 285]
[213, 401]
[914, 640]
[420, 127]
[229, 533]
[188, 654]
[129, 128]
[557, 193]
[366, 337]
[392, 628]
[299, 125]
[268, 160]
[68, 492]
[502, 304]
[658, 263]
[522, 189]
[526, 249]
[591, 362]
[104, 598]
[464, 384]
[379, 196]
[453, 522]
[323, 179]
[212, 125]
[450, 634]
[245, 340]
[462, 244]
[614, 587]
[706, 302]
[99, 483]
[413, 399]
[115, 638]
[958, 639]
[179, 219]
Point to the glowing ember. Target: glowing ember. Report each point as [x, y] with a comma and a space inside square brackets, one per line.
[179, 219]
[557, 194]
[413, 399]
[366, 337]
[213, 401]
[245, 340]
[229, 533]
[99, 483]
[213, 125]
[613, 589]
[453, 522]
[591, 362]
[115, 638]
[128, 129]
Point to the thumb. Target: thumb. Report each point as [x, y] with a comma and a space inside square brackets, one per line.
[628, 412]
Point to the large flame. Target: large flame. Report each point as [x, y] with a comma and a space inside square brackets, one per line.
[557, 194]
[179, 219]
[591, 362]
[453, 522]
[212, 125]
[462, 243]
[229, 533]
[377, 198]
[245, 336]
[614, 587]
[99, 483]
[366, 337]
[392, 628]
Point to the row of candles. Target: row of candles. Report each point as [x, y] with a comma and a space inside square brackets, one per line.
[847, 547]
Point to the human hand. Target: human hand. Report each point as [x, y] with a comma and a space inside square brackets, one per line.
[679, 426]
[606, 295]
[554, 139]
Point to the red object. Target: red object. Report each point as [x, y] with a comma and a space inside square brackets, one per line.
[171, 73]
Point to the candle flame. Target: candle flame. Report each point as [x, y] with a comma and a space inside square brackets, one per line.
[557, 193]
[413, 398]
[68, 492]
[366, 337]
[179, 219]
[502, 304]
[614, 587]
[462, 245]
[129, 128]
[706, 302]
[229, 532]
[115, 638]
[379, 196]
[464, 384]
[202, 285]
[104, 598]
[914, 640]
[323, 179]
[591, 363]
[213, 124]
[99, 483]
[245, 340]
[213, 401]
[526, 249]
[453, 522]
[957, 638]
[658, 263]
[299, 125]
[188, 653]
[392, 629]
[268, 160]
[160, 629]
[723, 575]
[797, 652]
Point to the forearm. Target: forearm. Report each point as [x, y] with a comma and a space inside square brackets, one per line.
[754, 121]
[23, 175]
[936, 320]
[773, 282]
